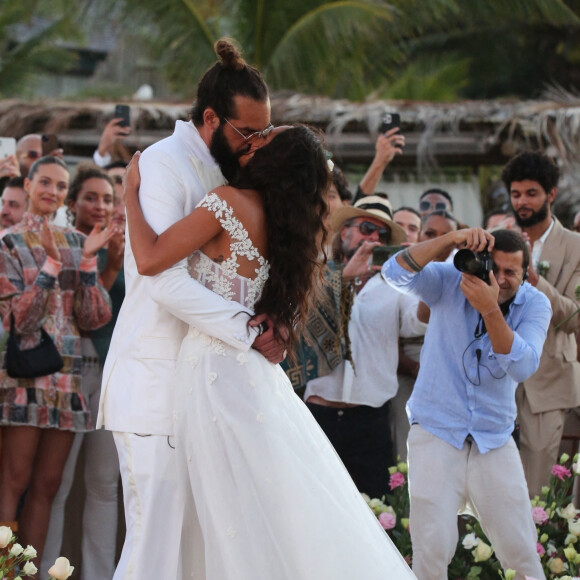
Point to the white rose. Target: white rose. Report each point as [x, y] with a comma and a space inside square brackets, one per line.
[29, 569]
[16, 550]
[29, 552]
[482, 552]
[568, 513]
[570, 539]
[5, 536]
[556, 565]
[377, 506]
[470, 541]
[574, 527]
[61, 569]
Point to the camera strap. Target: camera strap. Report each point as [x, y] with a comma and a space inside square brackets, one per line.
[480, 329]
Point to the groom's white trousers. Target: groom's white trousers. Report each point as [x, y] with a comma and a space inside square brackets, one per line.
[163, 538]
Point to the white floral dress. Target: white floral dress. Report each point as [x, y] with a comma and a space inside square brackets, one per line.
[274, 500]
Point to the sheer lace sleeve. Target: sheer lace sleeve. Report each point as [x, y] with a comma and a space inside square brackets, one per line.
[223, 278]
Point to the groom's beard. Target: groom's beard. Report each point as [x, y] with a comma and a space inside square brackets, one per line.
[223, 154]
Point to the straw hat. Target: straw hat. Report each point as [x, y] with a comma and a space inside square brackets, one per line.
[371, 206]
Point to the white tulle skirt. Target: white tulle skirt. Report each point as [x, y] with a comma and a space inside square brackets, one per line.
[274, 500]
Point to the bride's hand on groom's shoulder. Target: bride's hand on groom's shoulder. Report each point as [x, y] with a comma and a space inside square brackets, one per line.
[267, 343]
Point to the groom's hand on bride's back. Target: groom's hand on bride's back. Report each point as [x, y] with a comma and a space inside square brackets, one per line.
[266, 343]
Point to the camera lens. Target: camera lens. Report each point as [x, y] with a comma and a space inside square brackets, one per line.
[478, 264]
[466, 261]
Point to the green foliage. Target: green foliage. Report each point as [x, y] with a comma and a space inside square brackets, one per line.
[435, 49]
[429, 79]
[419, 49]
[28, 43]
[102, 91]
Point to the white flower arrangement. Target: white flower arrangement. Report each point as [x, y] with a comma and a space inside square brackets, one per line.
[556, 518]
[16, 560]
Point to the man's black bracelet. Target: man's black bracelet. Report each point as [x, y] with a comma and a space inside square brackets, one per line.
[410, 261]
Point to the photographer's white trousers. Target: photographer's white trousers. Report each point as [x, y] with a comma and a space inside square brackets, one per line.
[443, 480]
[159, 515]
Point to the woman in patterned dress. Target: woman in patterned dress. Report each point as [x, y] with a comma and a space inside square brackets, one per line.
[273, 499]
[48, 278]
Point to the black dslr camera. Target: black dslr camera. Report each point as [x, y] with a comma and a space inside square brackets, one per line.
[477, 263]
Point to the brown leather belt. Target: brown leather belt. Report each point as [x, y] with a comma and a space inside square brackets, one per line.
[316, 400]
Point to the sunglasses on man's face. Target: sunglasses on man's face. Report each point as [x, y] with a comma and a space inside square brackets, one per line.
[428, 205]
[368, 229]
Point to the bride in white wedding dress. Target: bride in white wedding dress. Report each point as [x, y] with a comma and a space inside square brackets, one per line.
[273, 498]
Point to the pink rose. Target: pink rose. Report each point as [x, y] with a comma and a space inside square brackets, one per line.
[540, 549]
[396, 480]
[388, 520]
[561, 472]
[539, 516]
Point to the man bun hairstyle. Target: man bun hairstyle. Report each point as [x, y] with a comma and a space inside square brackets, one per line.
[229, 77]
[229, 56]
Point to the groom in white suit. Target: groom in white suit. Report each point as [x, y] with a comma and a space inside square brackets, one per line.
[232, 111]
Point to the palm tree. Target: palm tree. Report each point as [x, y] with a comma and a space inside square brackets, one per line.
[341, 48]
[29, 33]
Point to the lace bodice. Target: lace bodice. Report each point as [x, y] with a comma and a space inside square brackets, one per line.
[223, 278]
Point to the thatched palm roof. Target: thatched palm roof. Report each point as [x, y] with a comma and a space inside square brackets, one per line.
[436, 132]
[468, 133]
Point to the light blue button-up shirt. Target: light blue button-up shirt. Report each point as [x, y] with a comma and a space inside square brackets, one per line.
[463, 386]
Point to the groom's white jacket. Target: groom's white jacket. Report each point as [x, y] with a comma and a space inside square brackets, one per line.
[138, 378]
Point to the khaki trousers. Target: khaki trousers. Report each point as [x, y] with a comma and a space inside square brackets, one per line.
[443, 481]
[540, 437]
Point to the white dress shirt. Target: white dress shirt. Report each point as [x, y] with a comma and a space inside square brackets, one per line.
[375, 324]
[539, 246]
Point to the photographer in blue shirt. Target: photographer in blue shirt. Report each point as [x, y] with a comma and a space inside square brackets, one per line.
[485, 335]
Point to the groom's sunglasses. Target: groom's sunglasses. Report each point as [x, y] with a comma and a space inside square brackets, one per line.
[251, 137]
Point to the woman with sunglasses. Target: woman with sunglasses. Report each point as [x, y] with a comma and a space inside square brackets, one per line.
[48, 279]
[245, 442]
[435, 199]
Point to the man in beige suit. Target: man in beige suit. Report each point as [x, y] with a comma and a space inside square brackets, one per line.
[532, 179]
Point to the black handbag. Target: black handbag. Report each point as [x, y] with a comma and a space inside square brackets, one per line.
[39, 361]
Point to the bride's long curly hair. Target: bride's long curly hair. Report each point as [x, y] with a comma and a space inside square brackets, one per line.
[291, 174]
